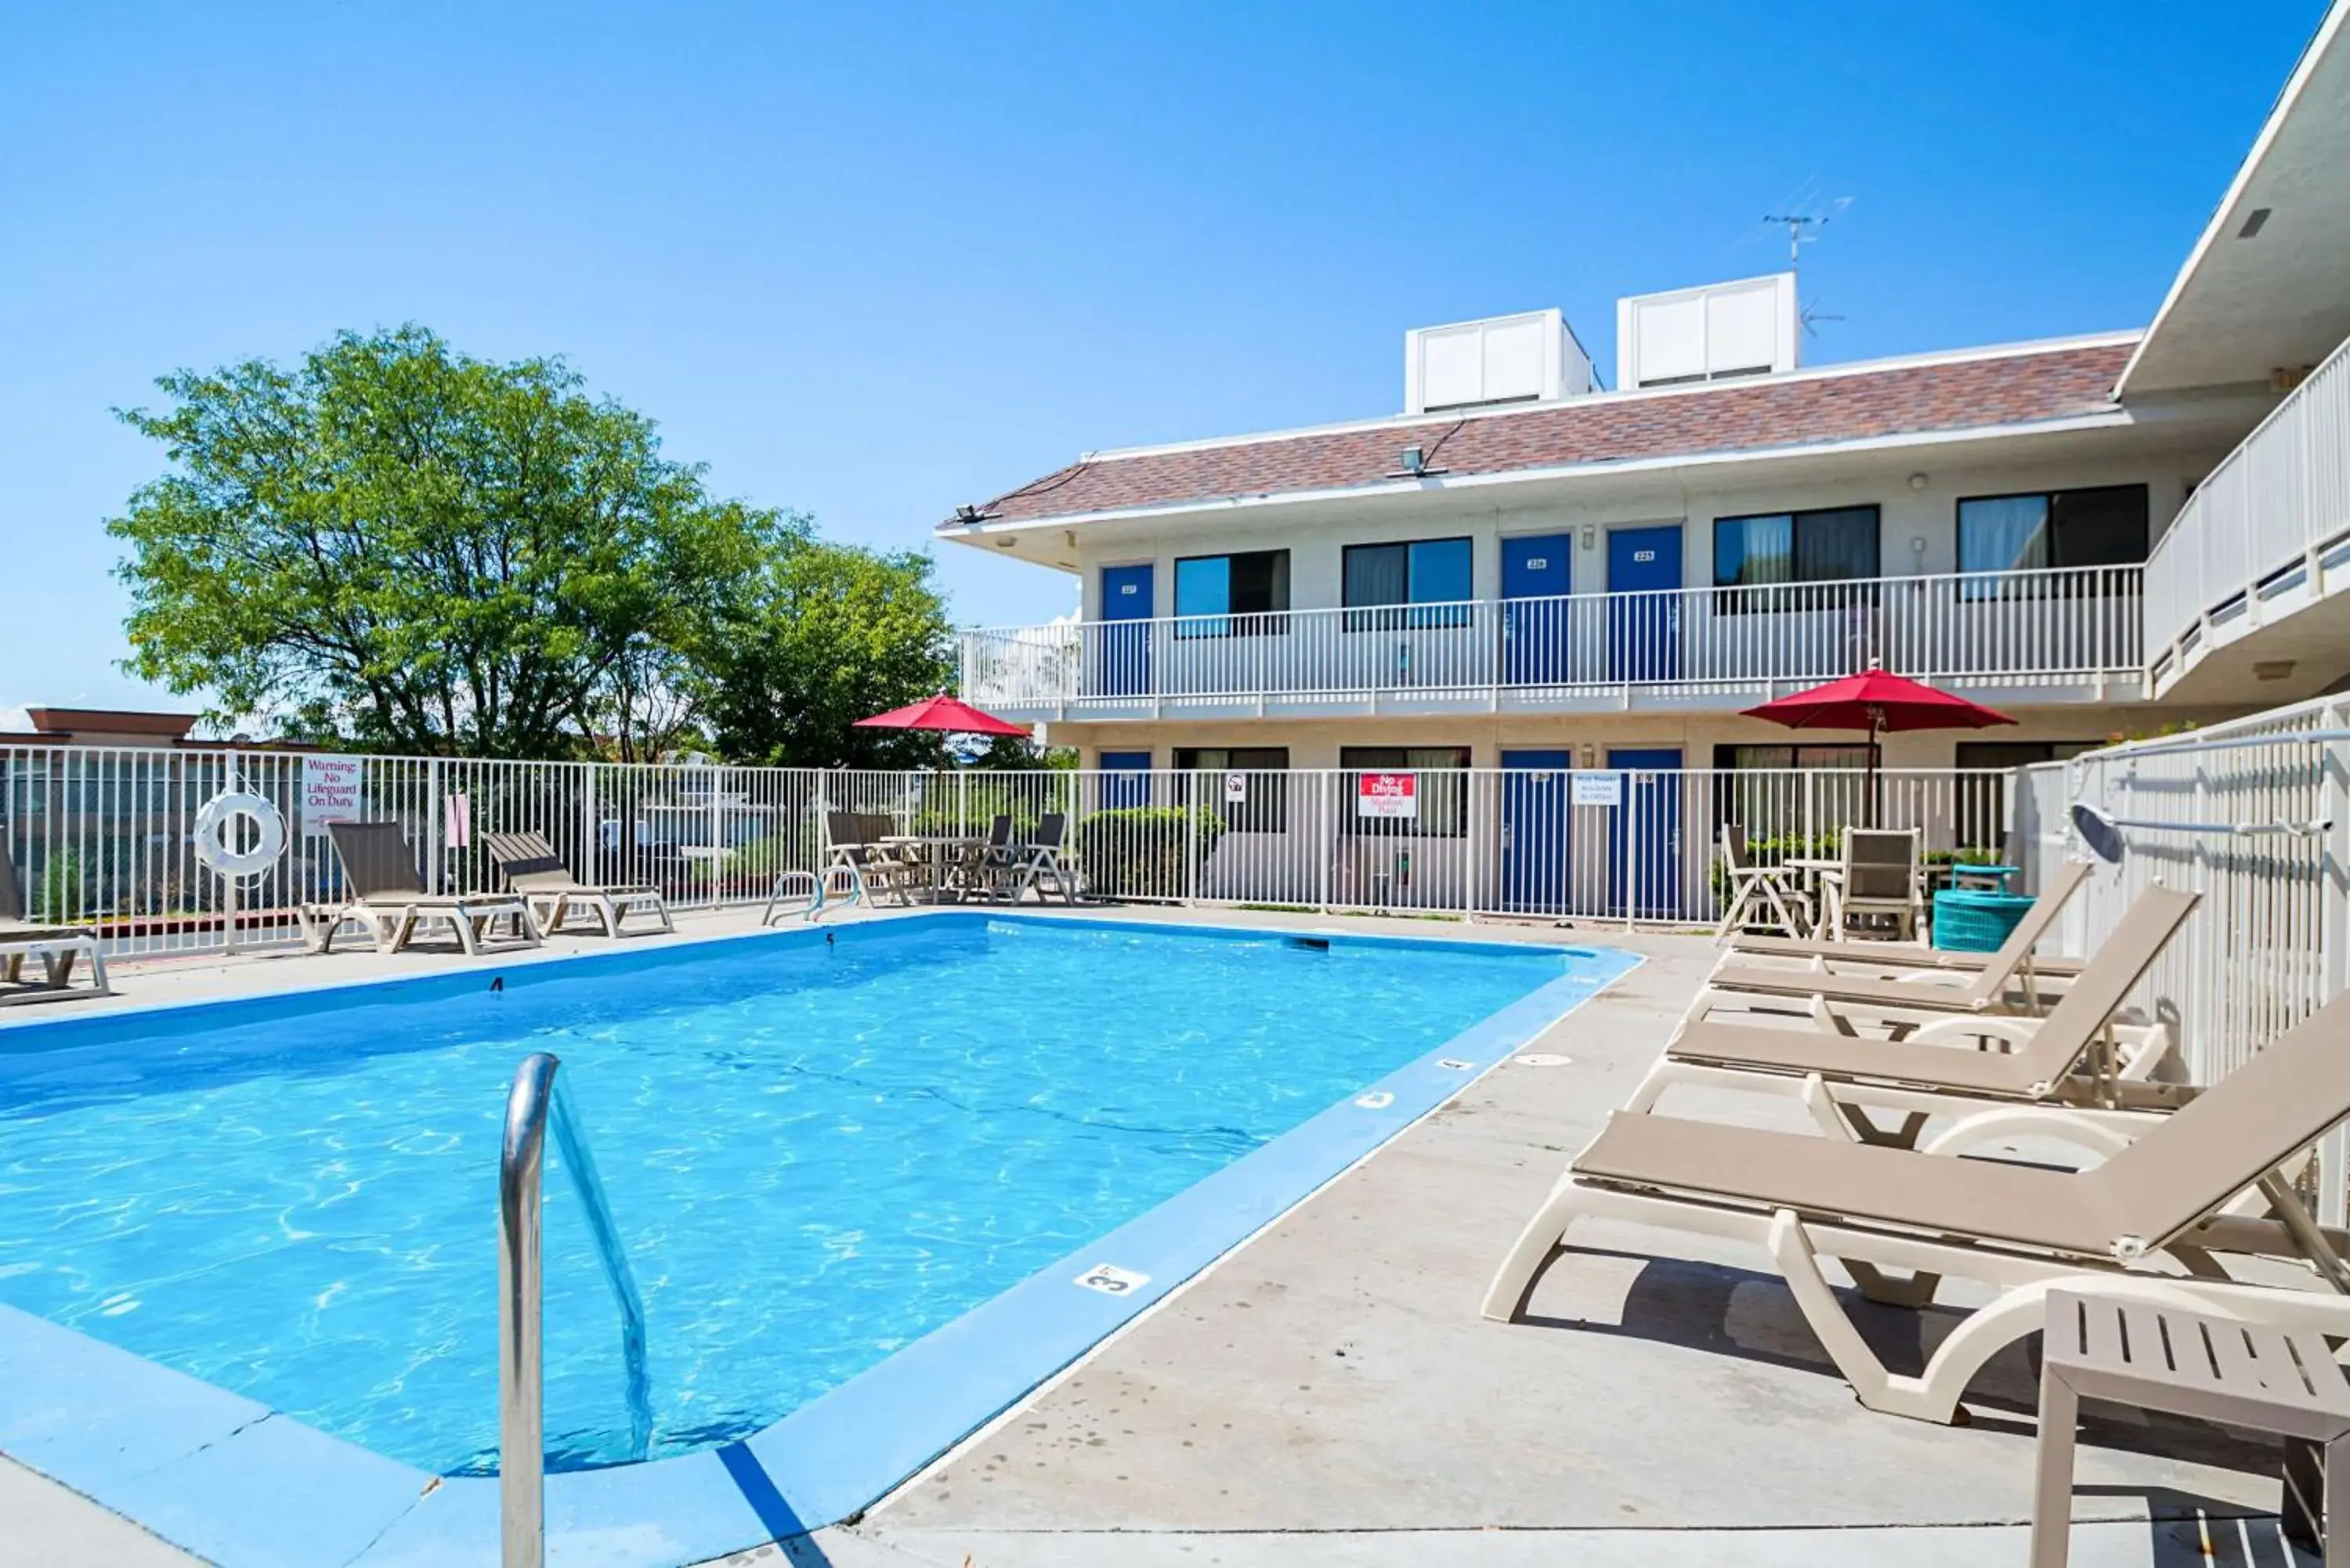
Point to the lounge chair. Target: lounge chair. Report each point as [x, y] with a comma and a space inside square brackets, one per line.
[386, 895]
[1759, 893]
[992, 868]
[57, 947]
[535, 870]
[1879, 878]
[2021, 1229]
[1821, 953]
[2007, 983]
[2074, 1075]
[1040, 861]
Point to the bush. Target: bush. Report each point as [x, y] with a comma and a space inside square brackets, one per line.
[1139, 852]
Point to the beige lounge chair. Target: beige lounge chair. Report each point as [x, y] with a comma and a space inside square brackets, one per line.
[55, 946]
[2075, 1074]
[535, 871]
[2020, 1228]
[1839, 956]
[2007, 983]
[388, 897]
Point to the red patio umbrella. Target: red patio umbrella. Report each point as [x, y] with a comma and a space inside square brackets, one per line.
[1877, 701]
[950, 714]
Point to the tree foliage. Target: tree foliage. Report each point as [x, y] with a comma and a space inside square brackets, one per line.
[826, 635]
[403, 547]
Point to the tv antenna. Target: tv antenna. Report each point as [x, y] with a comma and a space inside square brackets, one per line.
[1804, 228]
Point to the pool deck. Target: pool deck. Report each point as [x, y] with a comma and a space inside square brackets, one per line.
[1326, 1395]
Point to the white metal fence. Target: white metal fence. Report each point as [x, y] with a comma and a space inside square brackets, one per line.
[2254, 814]
[2073, 626]
[104, 837]
[2258, 535]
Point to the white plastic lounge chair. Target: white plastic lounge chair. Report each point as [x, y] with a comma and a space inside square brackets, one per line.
[54, 947]
[2007, 983]
[1879, 957]
[2074, 1075]
[388, 897]
[535, 871]
[2157, 1203]
[1040, 861]
[1759, 895]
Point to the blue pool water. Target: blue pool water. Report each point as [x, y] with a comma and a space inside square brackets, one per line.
[815, 1154]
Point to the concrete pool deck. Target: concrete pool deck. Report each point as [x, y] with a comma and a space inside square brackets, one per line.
[1327, 1396]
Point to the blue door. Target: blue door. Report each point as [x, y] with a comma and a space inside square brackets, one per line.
[1117, 794]
[1534, 634]
[1125, 649]
[1648, 862]
[1536, 811]
[1644, 631]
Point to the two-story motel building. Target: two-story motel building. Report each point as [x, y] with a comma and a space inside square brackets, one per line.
[2100, 535]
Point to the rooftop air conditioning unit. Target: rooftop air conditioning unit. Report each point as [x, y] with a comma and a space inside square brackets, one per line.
[1525, 359]
[1724, 329]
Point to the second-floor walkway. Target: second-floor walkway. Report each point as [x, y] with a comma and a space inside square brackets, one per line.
[2069, 635]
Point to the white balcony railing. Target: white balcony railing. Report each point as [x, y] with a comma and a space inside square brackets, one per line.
[2070, 628]
[2260, 535]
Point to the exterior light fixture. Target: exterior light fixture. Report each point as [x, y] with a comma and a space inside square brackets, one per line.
[1917, 481]
[1415, 461]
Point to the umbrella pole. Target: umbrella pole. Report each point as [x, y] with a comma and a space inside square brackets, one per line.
[1872, 804]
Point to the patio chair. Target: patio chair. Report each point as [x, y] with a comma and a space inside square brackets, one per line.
[2006, 983]
[853, 843]
[2076, 1076]
[1040, 860]
[1881, 878]
[1759, 893]
[385, 894]
[993, 868]
[535, 870]
[2068, 879]
[2019, 1228]
[55, 946]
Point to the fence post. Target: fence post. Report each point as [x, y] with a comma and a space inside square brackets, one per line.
[434, 810]
[2334, 961]
[1188, 792]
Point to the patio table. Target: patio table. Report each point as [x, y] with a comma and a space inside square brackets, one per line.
[949, 861]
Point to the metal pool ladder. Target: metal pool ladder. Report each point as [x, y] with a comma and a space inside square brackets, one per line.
[538, 1098]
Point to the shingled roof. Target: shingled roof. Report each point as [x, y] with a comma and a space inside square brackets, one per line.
[2024, 386]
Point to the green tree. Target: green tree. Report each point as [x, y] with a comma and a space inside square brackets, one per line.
[827, 635]
[409, 549]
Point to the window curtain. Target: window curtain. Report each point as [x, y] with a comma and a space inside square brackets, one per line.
[1837, 546]
[2005, 534]
[1378, 574]
[1752, 550]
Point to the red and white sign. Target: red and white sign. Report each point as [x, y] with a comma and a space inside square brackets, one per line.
[330, 793]
[1387, 794]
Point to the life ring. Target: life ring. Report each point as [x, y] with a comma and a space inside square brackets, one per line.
[213, 822]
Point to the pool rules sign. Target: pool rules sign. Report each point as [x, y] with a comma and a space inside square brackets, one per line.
[1387, 794]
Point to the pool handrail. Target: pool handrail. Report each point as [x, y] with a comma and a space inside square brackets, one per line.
[539, 1097]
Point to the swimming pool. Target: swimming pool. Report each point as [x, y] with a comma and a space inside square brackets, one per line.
[820, 1149]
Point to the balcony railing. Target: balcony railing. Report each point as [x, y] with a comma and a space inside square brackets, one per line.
[2079, 626]
[2261, 534]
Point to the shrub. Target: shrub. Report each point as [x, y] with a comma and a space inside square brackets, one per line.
[1140, 851]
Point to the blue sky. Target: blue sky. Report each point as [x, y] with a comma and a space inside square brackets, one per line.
[871, 261]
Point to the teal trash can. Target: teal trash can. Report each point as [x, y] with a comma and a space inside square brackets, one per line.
[1975, 920]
